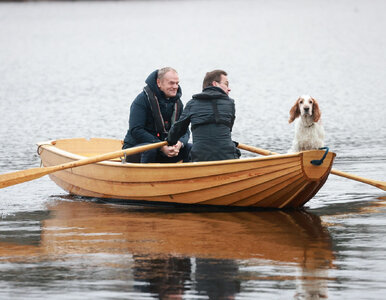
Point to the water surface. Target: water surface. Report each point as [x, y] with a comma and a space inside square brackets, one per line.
[71, 69]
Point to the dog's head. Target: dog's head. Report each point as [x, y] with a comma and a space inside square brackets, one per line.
[305, 106]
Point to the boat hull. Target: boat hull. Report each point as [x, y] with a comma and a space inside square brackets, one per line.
[277, 181]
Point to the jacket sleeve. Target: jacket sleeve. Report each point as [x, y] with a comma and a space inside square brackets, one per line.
[180, 130]
[137, 121]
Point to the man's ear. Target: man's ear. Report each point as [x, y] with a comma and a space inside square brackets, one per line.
[158, 83]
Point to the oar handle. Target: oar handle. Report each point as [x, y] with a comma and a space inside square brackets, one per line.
[255, 150]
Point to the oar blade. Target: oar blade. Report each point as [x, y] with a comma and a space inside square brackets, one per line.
[17, 177]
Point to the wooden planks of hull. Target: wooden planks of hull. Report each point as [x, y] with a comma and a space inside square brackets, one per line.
[279, 181]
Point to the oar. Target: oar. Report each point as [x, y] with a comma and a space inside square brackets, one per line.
[376, 183]
[34, 173]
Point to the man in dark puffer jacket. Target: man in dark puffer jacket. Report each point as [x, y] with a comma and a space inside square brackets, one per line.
[152, 113]
[211, 115]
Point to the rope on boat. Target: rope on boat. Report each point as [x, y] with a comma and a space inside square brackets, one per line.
[318, 162]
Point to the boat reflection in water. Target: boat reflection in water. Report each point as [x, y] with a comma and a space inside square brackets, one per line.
[172, 252]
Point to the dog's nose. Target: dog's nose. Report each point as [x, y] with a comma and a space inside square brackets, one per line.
[306, 109]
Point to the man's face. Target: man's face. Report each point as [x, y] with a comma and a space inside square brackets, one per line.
[169, 84]
[223, 84]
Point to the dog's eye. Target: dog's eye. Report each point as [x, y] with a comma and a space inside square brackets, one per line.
[301, 101]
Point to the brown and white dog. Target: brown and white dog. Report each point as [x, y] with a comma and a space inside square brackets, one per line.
[309, 132]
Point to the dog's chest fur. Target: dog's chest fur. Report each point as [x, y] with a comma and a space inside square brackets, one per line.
[309, 135]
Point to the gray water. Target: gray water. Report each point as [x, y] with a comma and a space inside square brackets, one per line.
[71, 69]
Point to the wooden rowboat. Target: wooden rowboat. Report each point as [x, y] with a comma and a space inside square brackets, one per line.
[277, 181]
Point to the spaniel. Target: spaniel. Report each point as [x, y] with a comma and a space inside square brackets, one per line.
[309, 132]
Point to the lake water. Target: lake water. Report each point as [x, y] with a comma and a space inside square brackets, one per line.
[71, 69]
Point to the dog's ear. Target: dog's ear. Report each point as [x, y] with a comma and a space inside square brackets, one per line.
[294, 112]
[316, 110]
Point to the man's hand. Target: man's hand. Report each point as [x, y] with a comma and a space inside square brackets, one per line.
[171, 151]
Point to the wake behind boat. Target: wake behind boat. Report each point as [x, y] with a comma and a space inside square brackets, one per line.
[277, 181]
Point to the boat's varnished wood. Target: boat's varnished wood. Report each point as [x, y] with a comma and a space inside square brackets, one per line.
[201, 196]
[265, 198]
[280, 181]
[290, 200]
[255, 187]
[165, 172]
[312, 172]
[267, 189]
[306, 193]
[316, 172]
[315, 186]
[81, 146]
[264, 183]
[282, 196]
[75, 190]
[229, 194]
[205, 184]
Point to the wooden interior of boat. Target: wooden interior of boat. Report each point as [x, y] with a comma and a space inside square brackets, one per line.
[88, 147]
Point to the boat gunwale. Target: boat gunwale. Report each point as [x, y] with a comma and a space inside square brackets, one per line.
[49, 146]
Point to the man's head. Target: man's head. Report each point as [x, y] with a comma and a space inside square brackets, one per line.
[167, 81]
[217, 78]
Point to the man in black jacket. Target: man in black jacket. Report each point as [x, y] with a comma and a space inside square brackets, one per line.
[211, 115]
[152, 113]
